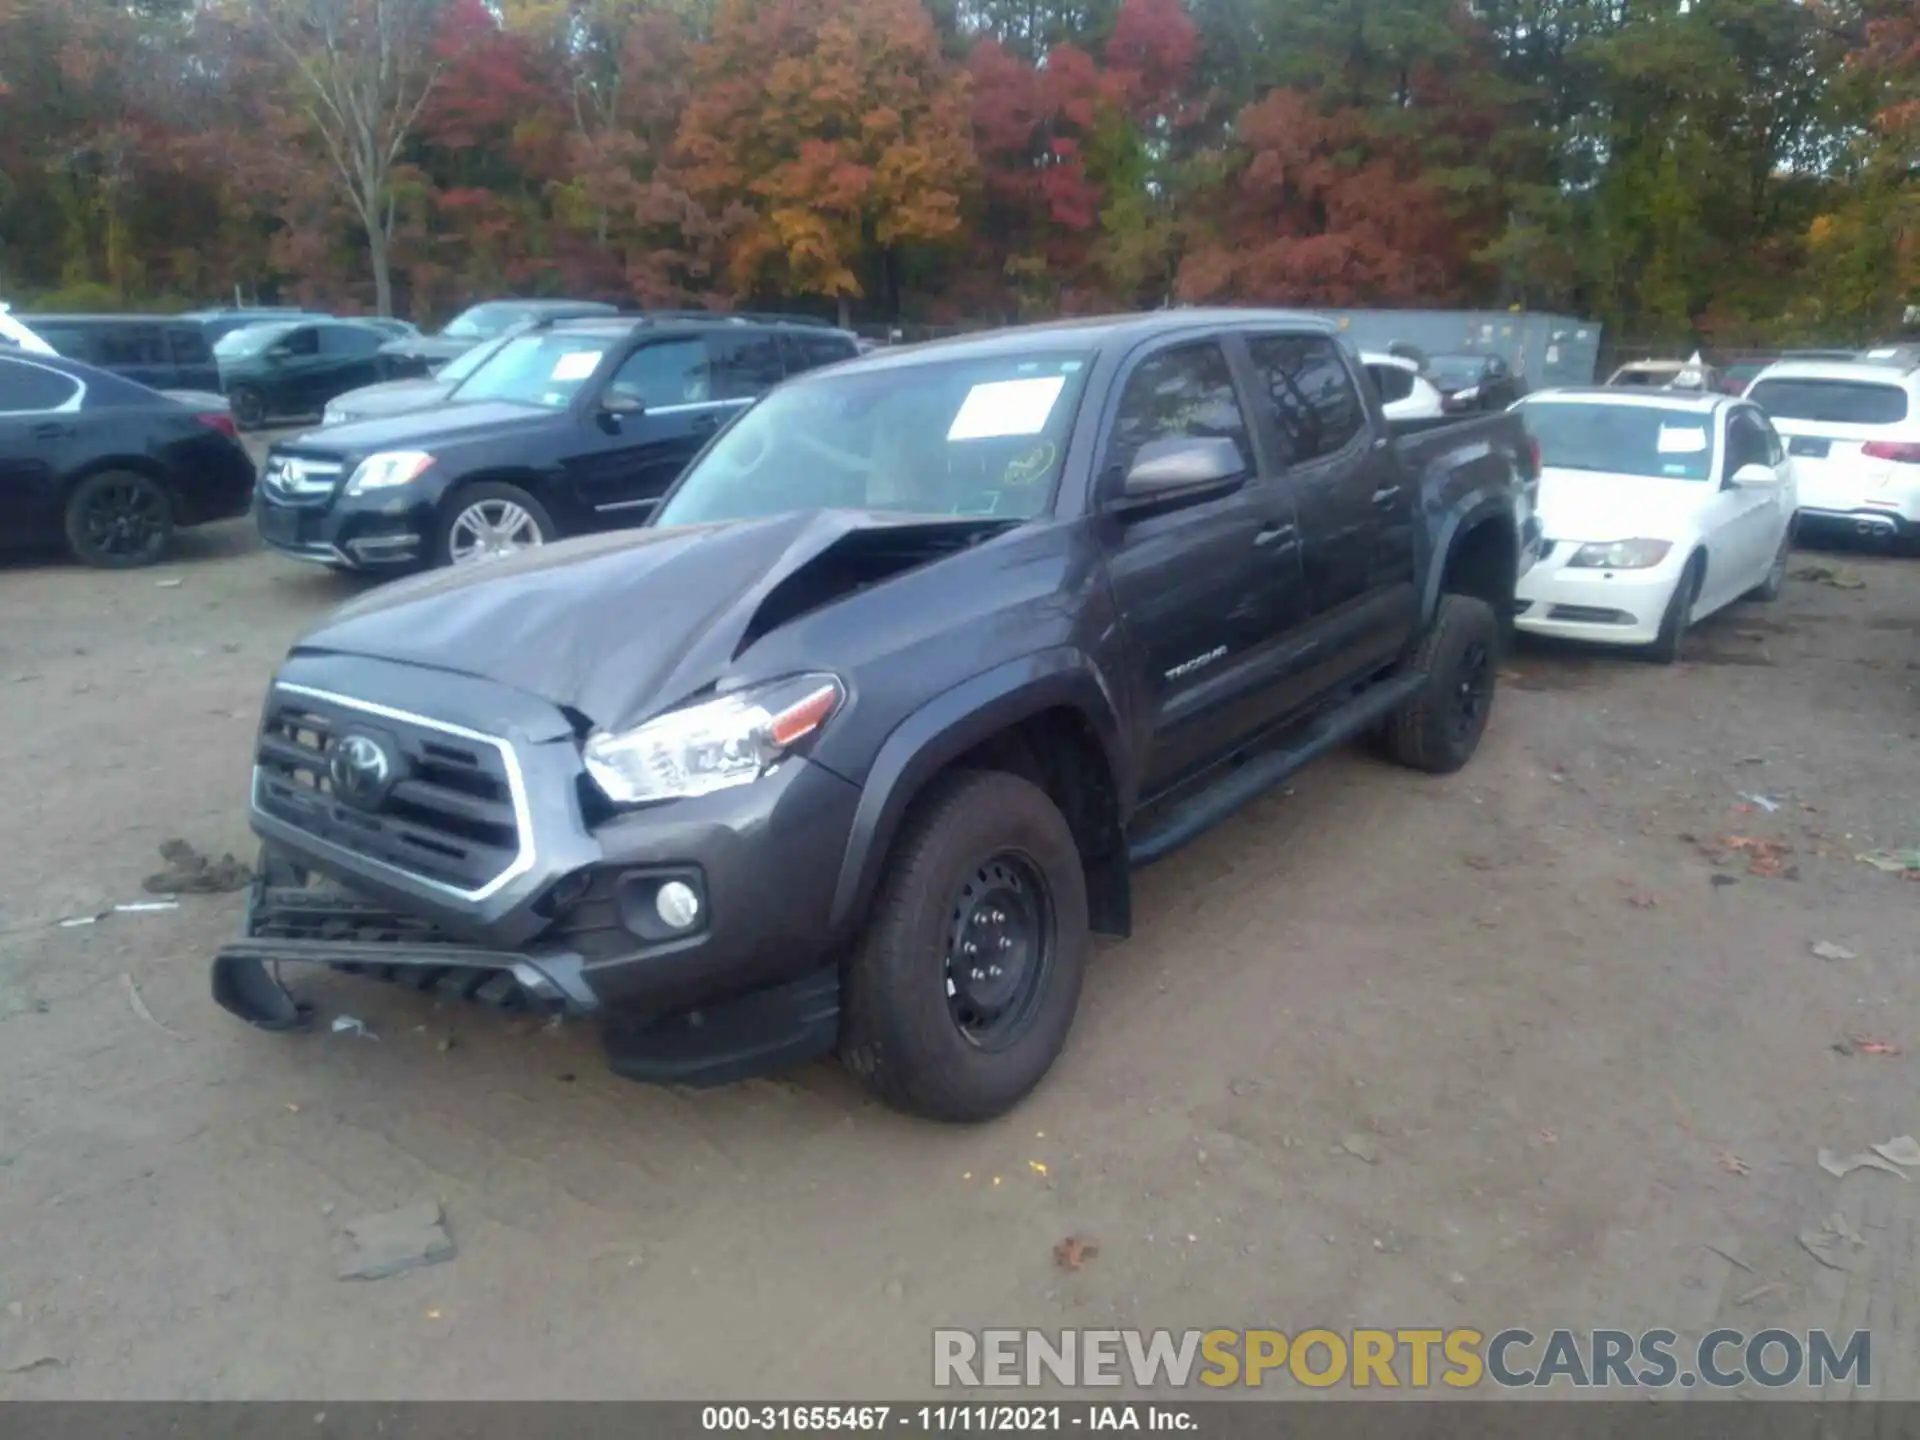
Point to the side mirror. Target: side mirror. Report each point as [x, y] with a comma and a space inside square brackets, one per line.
[278, 353]
[616, 403]
[1755, 475]
[1163, 468]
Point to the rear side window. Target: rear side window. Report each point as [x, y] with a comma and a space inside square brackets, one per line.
[131, 345]
[1834, 402]
[73, 341]
[745, 366]
[1183, 393]
[189, 345]
[808, 352]
[25, 388]
[350, 341]
[1392, 382]
[1310, 396]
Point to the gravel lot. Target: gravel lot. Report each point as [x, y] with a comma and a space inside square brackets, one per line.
[1510, 1048]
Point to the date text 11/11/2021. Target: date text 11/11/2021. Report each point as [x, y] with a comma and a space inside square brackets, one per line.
[942, 1419]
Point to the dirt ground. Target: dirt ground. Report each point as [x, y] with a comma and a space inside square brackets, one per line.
[1582, 1061]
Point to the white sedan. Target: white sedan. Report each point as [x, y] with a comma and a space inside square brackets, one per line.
[1405, 393]
[1656, 510]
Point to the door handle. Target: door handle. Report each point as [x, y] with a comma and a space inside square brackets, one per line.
[1273, 535]
[1385, 494]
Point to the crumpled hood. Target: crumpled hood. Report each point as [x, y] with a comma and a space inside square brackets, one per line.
[616, 627]
[1582, 505]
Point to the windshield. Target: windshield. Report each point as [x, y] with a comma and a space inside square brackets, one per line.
[962, 437]
[464, 364]
[483, 322]
[1657, 441]
[546, 370]
[1456, 369]
[249, 340]
[1836, 402]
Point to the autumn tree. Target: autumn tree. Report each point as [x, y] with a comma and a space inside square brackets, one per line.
[831, 134]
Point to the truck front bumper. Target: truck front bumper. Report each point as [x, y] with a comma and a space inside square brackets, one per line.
[574, 925]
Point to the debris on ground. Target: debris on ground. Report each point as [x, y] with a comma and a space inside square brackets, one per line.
[1827, 950]
[1758, 1291]
[73, 921]
[1766, 803]
[139, 1004]
[1901, 1150]
[376, 1246]
[1244, 1087]
[1765, 858]
[1840, 577]
[352, 1025]
[1835, 1244]
[144, 907]
[31, 1359]
[1731, 1258]
[1732, 1163]
[1074, 1251]
[172, 584]
[1361, 1148]
[1718, 881]
[1861, 1045]
[1642, 902]
[189, 872]
[1840, 1166]
[1894, 862]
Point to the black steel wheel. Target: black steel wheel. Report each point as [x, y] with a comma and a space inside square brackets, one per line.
[1458, 661]
[958, 998]
[119, 520]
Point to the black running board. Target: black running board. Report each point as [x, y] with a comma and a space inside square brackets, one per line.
[1193, 817]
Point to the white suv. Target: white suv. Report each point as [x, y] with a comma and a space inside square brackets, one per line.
[1853, 430]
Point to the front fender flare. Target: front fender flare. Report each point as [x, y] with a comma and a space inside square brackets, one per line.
[944, 729]
[1482, 506]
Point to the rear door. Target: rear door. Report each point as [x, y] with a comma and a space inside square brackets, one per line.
[1827, 422]
[136, 349]
[625, 459]
[1355, 511]
[347, 361]
[1745, 520]
[1207, 588]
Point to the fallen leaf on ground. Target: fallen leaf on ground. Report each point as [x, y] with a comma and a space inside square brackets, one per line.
[1894, 862]
[1360, 1148]
[1834, 1244]
[1840, 1166]
[1872, 1047]
[1732, 1163]
[1074, 1251]
[1642, 902]
[1765, 858]
[1547, 1137]
[1902, 1150]
[1840, 577]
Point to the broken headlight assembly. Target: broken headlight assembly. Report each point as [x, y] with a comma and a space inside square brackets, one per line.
[712, 745]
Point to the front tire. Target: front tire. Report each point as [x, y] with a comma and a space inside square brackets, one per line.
[1440, 727]
[1672, 639]
[958, 998]
[249, 407]
[1771, 588]
[119, 520]
[490, 521]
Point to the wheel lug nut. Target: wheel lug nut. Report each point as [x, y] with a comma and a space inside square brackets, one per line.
[994, 970]
[969, 948]
[977, 975]
[1005, 943]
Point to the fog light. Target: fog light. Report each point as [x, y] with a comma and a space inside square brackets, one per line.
[679, 907]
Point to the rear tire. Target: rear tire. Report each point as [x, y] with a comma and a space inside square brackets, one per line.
[249, 407]
[985, 873]
[1440, 727]
[119, 520]
[1770, 589]
[1666, 648]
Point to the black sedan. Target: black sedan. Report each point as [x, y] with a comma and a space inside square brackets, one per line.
[108, 468]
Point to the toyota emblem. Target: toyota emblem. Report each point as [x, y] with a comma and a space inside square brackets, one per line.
[362, 769]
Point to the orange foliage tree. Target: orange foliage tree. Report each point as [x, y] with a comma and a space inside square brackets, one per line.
[828, 135]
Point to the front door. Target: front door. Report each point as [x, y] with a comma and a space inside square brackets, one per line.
[1205, 589]
[655, 412]
[1356, 509]
[348, 361]
[1747, 517]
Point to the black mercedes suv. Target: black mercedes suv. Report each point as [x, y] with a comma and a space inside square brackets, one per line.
[573, 426]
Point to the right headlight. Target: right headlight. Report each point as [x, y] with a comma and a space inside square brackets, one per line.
[713, 745]
[387, 469]
[1639, 554]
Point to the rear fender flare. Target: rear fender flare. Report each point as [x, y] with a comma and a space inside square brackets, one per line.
[944, 729]
[1480, 506]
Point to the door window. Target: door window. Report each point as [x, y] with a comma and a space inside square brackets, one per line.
[807, 352]
[130, 345]
[304, 341]
[1183, 393]
[189, 346]
[1746, 443]
[668, 372]
[745, 366]
[350, 341]
[1393, 382]
[1308, 393]
[27, 388]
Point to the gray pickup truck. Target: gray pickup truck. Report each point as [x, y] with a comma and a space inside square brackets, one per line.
[853, 746]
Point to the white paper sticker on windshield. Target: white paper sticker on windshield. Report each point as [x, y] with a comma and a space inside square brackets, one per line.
[576, 364]
[1006, 407]
[1676, 440]
[1885, 353]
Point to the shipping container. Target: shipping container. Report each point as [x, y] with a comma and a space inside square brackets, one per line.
[1545, 350]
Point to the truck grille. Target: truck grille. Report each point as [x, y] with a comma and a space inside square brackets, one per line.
[444, 810]
[298, 480]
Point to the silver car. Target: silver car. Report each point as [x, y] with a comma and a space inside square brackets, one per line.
[397, 397]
